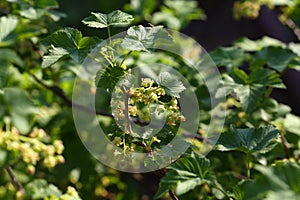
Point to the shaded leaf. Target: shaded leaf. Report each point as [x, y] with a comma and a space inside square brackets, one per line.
[171, 85]
[115, 18]
[228, 56]
[278, 181]
[248, 95]
[266, 77]
[185, 174]
[109, 77]
[68, 42]
[277, 58]
[9, 56]
[248, 140]
[249, 89]
[46, 4]
[20, 108]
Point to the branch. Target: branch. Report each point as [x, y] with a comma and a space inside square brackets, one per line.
[173, 195]
[285, 145]
[14, 179]
[126, 101]
[291, 24]
[68, 102]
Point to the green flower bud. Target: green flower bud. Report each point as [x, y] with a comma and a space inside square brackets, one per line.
[58, 146]
[147, 82]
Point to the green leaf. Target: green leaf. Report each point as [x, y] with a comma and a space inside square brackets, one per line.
[239, 76]
[7, 26]
[142, 9]
[166, 18]
[277, 58]
[7, 58]
[36, 9]
[266, 77]
[115, 18]
[228, 56]
[20, 108]
[10, 56]
[249, 89]
[278, 181]
[141, 38]
[255, 45]
[185, 174]
[292, 123]
[109, 77]
[295, 47]
[46, 4]
[171, 85]
[40, 189]
[282, 2]
[248, 95]
[68, 42]
[177, 14]
[248, 140]
[54, 54]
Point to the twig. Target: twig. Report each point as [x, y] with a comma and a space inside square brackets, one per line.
[126, 101]
[291, 24]
[14, 179]
[285, 145]
[173, 195]
[198, 137]
[68, 102]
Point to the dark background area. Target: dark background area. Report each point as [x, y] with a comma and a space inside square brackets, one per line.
[219, 29]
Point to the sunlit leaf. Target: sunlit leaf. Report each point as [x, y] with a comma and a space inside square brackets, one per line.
[7, 26]
[295, 47]
[176, 14]
[141, 8]
[292, 123]
[256, 45]
[115, 18]
[171, 85]
[68, 42]
[248, 140]
[40, 189]
[140, 38]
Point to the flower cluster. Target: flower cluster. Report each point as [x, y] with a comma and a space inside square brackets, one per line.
[249, 9]
[31, 149]
[149, 94]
